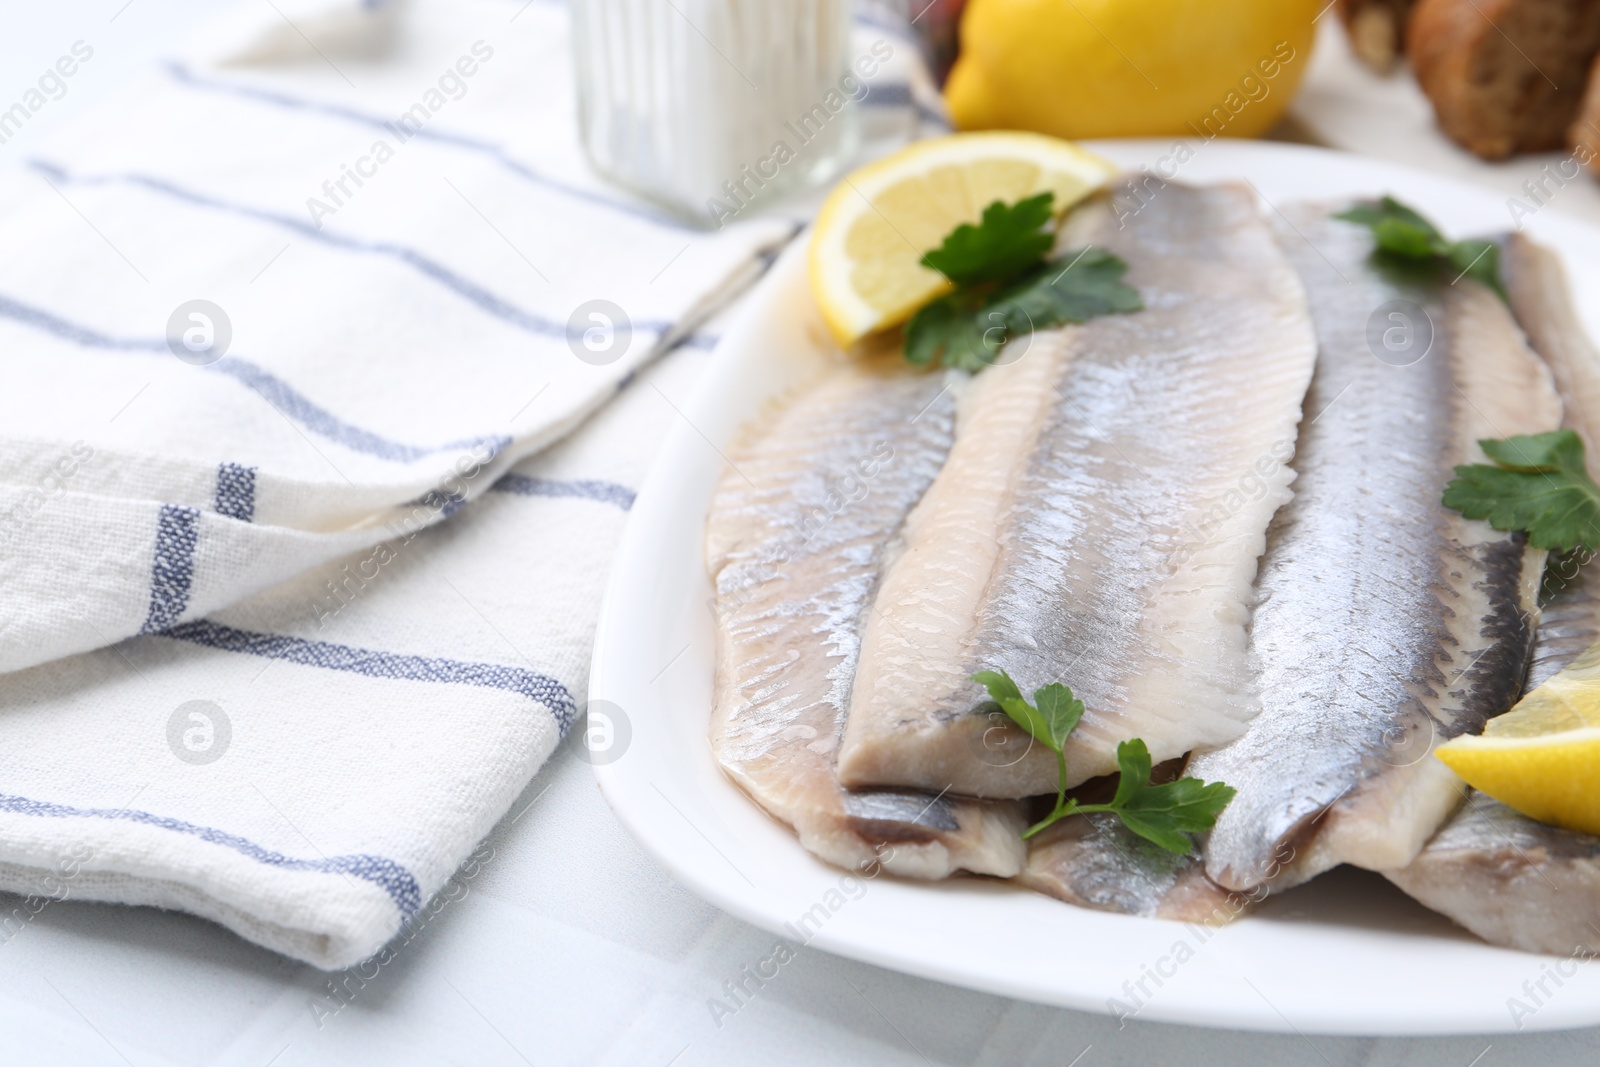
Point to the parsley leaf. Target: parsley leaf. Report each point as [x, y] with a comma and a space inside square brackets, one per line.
[1006, 242]
[1403, 233]
[1164, 814]
[1538, 484]
[1060, 709]
[1056, 714]
[967, 328]
[1480, 260]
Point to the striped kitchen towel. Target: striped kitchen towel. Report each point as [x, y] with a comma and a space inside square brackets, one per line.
[300, 552]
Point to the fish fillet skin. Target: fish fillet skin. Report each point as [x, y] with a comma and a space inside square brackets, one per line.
[1099, 518]
[1386, 622]
[799, 524]
[1510, 880]
[1094, 861]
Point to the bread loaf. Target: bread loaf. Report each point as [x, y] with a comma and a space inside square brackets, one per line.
[1584, 134]
[1377, 30]
[1504, 75]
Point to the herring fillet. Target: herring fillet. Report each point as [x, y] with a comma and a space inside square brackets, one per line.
[1099, 518]
[1094, 861]
[798, 526]
[1537, 283]
[1386, 623]
[1511, 880]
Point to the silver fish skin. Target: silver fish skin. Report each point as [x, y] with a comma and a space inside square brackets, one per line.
[1093, 861]
[1386, 623]
[1510, 880]
[798, 526]
[1099, 519]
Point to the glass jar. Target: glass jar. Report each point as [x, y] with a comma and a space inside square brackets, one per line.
[709, 106]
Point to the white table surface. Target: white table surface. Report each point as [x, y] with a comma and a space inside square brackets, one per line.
[570, 946]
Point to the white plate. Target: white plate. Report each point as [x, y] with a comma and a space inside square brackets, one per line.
[1345, 954]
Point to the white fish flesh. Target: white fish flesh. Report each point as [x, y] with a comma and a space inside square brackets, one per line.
[1386, 622]
[1099, 518]
[1542, 302]
[798, 527]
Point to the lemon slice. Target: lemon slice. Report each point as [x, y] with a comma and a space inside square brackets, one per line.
[1543, 756]
[878, 222]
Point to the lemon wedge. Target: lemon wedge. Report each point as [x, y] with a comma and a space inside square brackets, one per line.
[875, 226]
[1543, 756]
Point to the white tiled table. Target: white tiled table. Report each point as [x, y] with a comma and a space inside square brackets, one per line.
[570, 946]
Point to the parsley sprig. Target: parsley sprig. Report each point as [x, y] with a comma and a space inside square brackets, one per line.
[1164, 814]
[1539, 484]
[1005, 287]
[1403, 233]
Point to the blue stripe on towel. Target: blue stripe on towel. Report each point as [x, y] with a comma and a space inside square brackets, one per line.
[185, 77]
[236, 491]
[177, 534]
[294, 405]
[586, 489]
[384, 873]
[898, 94]
[467, 289]
[319, 420]
[531, 684]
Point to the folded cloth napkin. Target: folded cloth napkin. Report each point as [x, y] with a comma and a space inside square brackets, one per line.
[299, 553]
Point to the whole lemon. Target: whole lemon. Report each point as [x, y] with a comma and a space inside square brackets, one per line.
[1130, 68]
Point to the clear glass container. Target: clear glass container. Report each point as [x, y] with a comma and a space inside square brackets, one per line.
[709, 106]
